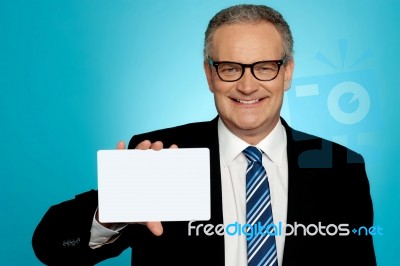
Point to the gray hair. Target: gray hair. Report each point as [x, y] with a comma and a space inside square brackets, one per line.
[240, 14]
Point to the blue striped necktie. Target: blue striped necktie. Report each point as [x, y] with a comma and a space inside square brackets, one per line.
[261, 247]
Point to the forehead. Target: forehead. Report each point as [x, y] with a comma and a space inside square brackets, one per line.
[247, 43]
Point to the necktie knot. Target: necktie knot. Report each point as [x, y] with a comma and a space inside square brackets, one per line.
[253, 154]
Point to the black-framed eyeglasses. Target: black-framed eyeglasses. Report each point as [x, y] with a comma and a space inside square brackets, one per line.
[233, 71]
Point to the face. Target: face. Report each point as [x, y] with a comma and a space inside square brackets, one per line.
[248, 107]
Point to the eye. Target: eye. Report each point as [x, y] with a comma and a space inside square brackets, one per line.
[266, 67]
[229, 69]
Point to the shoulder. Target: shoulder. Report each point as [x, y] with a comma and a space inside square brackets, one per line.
[311, 150]
[181, 135]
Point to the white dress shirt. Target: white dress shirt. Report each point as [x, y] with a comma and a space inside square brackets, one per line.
[233, 181]
[233, 177]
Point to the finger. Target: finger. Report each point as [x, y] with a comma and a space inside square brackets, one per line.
[144, 145]
[158, 145]
[155, 227]
[121, 145]
[173, 146]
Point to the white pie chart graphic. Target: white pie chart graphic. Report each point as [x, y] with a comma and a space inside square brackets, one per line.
[359, 93]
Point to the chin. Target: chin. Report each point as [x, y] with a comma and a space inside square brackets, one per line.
[249, 125]
[250, 121]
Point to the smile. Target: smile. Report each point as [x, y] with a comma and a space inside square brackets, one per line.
[248, 101]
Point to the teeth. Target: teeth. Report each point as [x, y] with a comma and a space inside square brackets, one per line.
[247, 102]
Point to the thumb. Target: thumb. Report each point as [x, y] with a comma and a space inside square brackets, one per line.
[155, 227]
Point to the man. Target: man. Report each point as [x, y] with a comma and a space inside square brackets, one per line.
[320, 186]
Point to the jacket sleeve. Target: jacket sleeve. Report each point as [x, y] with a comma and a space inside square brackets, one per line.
[62, 236]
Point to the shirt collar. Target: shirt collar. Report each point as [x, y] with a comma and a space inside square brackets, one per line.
[231, 146]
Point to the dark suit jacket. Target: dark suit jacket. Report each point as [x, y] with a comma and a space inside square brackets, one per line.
[327, 185]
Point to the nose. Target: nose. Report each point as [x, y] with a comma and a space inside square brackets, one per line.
[248, 83]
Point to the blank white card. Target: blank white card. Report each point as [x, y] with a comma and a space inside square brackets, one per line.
[148, 185]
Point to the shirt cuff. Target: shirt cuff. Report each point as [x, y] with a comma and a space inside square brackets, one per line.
[100, 235]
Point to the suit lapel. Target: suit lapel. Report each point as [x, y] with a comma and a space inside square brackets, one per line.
[301, 206]
[215, 169]
[217, 249]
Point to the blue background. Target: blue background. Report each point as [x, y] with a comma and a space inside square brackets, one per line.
[75, 77]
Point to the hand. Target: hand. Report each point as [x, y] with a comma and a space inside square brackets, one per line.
[155, 227]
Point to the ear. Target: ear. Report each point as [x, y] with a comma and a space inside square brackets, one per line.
[289, 67]
[208, 72]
